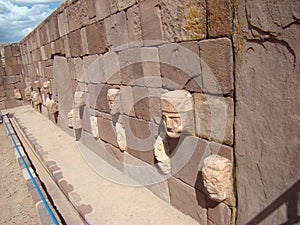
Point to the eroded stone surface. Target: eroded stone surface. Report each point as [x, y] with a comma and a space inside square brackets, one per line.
[184, 20]
[17, 94]
[218, 179]
[94, 126]
[214, 118]
[121, 136]
[164, 162]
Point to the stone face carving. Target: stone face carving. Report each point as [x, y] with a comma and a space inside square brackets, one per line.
[70, 118]
[164, 162]
[17, 94]
[79, 99]
[28, 91]
[121, 136]
[94, 126]
[36, 98]
[177, 111]
[52, 106]
[218, 180]
[114, 102]
[47, 87]
[37, 85]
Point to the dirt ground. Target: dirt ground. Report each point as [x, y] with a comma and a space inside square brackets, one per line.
[16, 204]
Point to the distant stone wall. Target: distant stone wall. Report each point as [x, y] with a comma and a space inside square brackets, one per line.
[12, 83]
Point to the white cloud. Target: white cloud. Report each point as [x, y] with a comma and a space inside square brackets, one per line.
[16, 21]
[33, 2]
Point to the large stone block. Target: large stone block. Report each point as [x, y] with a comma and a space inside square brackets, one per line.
[116, 29]
[151, 20]
[93, 144]
[184, 20]
[77, 14]
[102, 8]
[94, 73]
[217, 65]
[124, 4]
[63, 84]
[90, 4]
[75, 43]
[218, 213]
[131, 66]
[107, 131]
[53, 28]
[15, 48]
[111, 68]
[114, 156]
[127, 101]
[44, 34]
[214, 118]
[63, 26]
[113, 6]
[141, 103]
[151, 67]
[98, 97]
[140, 138]
[188, 200]
[187, 161]
[134, 25]
[178, 65]
[220, 18]
[96, 38]
[7, 51]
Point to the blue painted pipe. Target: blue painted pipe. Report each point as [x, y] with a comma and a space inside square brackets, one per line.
[30, 174]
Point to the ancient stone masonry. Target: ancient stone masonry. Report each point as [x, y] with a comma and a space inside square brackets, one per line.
[154, 81]
[11, 76]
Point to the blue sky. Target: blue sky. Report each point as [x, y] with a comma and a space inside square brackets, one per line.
[19, 17]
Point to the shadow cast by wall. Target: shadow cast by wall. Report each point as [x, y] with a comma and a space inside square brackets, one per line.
[290, 198]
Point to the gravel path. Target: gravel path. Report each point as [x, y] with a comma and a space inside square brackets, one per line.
[16, 204]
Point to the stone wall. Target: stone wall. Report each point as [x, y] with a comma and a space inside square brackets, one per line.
[154, 87]
[267, 112]
[11, 76]
[111, 62]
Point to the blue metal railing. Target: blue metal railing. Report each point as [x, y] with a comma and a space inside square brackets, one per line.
[29, 172]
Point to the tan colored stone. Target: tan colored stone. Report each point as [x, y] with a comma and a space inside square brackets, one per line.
[94, 126]
[217, 69]
[76, 121]
[177, 111]
[218, 179]
[17, 94]
[214, 118]
[114, 100]
[70, 118]
[123, 4]
[220, 18]
[184, 20]
[47, 87]
[151, 20]
[102, 8]
[37, 85]
[121, 136]
[163, 160]
[134, 25]
[79, 99]
[188, 200]
[36, 98]
[52, 106]
[116, 28]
